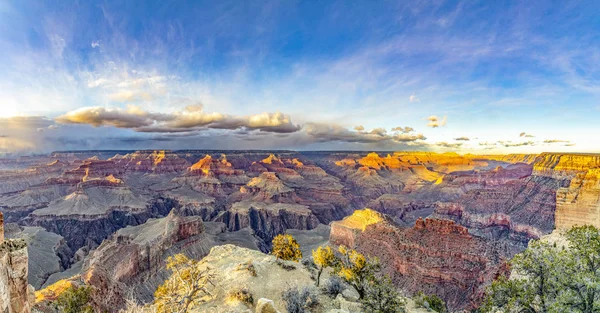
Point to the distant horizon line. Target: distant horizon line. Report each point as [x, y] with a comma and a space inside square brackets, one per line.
[286, 151]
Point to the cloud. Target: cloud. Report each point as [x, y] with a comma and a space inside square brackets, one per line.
[556, 141]
[488, 144]
[192, 118]
[403, 129]
[51, 127]
[509, 143]
[96, 44]
[436, 122]
[131, 117]
[413, 98]
[449, 145]
[462, 139]
[378, 131]
[526, 135]
[359, 128]
[330, 132]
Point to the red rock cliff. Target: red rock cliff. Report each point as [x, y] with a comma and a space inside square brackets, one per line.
[435, 256]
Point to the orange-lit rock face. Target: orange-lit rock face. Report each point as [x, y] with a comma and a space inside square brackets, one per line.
[344, 232]
[579, 202]
[208, 166]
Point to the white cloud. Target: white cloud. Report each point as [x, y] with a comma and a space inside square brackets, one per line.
[435, 122]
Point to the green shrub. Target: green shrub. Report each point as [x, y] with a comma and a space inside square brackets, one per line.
[431, 302]
[381, 296]
[300, 300]
[75, 300]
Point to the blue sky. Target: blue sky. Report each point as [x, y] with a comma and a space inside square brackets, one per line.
[509, 76]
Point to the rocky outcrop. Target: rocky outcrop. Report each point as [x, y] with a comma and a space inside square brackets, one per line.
[435, 256]
[132, 261]
[578, 202]
[15, 292]
[265, 283]
[214, 177]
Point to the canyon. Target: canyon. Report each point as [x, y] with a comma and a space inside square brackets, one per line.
[441, 223]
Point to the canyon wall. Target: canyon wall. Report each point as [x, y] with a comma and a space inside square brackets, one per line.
[579, 202]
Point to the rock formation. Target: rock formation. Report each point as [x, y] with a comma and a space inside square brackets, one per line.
[131, 263]
[268, 220]
[434, 256]
[15, 292]
[578, 203]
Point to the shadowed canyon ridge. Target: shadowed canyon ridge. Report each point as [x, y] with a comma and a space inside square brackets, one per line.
[443, 224]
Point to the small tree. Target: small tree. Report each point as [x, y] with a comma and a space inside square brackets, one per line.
[285, 247]
[356, 269]
[381, 296]
[186, 286]
[552, 279]
[537, 291]
[323, 257]
[75, 300]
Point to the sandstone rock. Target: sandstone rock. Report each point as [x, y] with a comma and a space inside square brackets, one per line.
[265, 306]
[345, 232]
[350, 294]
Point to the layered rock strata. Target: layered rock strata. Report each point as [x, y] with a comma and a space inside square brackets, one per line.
[434, 256]
[578, 202]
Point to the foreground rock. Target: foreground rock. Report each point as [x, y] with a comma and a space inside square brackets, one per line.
[15, 292]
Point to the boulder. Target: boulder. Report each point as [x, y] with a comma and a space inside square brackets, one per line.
[265, 306]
